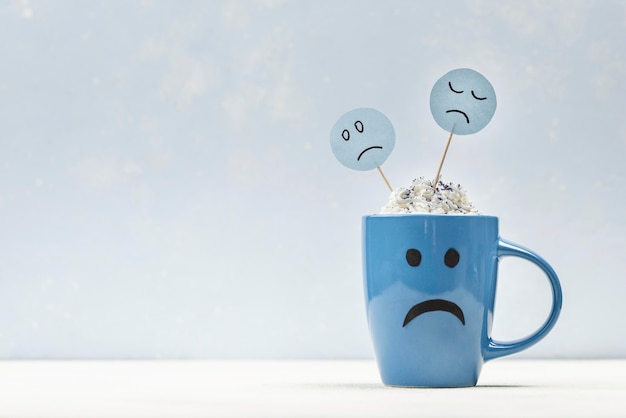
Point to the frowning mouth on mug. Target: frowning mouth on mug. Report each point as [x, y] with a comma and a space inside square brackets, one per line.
[434, 305]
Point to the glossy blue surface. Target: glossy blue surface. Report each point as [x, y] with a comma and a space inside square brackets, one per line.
[430, 284]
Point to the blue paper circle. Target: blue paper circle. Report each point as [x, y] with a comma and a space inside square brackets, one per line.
[362, 139]
[463, 101]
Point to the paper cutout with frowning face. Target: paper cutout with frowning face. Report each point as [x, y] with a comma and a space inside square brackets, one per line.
[463, 101]
[362, 139]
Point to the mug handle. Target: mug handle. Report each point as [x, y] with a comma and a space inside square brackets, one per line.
[495, 349]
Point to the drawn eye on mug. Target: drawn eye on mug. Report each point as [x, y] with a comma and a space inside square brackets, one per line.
[414, 257]
[452, 258]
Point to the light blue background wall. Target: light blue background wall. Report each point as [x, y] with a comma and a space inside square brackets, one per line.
[167, 187]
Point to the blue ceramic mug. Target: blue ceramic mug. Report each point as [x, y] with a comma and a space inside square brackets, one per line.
[430, 284]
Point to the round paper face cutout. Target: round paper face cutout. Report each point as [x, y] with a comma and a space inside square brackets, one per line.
[362, 139]
[463, 101]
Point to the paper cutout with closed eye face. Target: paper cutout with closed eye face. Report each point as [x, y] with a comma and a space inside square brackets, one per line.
[463, 101]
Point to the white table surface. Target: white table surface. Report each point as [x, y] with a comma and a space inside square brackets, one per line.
[507, 387]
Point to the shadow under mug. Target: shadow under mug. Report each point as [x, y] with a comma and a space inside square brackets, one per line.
[430, 284]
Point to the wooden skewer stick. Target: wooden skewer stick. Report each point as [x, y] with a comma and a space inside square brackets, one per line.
[443, 157]
[384, 178]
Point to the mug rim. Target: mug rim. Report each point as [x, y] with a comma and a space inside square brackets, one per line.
[429, 215]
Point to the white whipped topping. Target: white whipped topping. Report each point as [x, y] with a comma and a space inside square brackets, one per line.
[421, 197]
